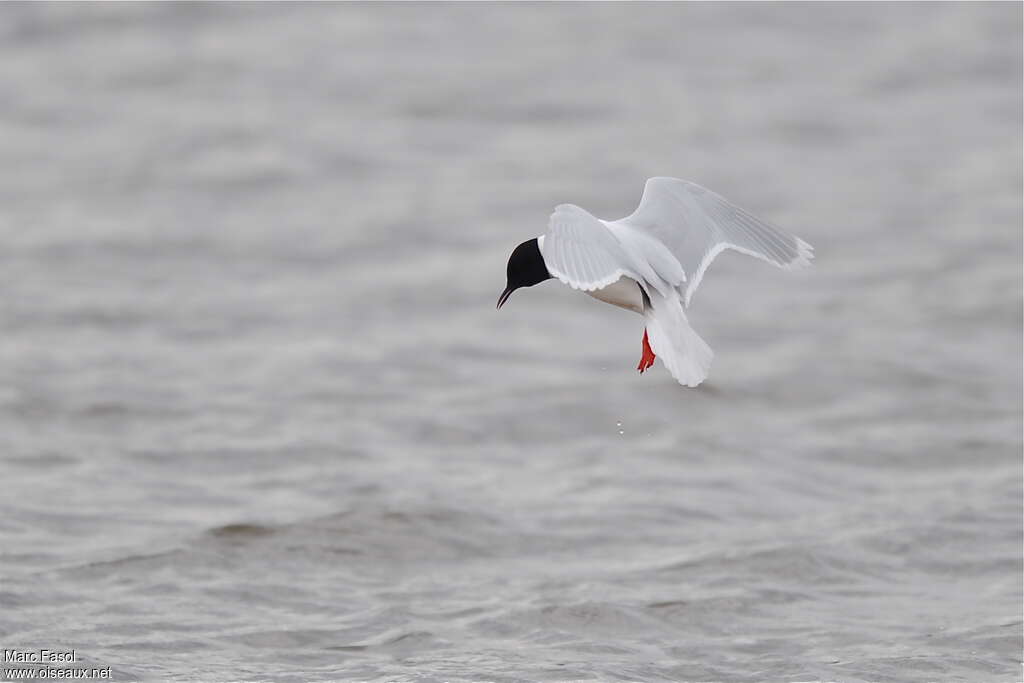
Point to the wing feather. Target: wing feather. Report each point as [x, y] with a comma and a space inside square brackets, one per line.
[587, 253]
[696, 225]
[579, 250]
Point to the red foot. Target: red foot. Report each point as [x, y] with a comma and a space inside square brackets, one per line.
[647, 359]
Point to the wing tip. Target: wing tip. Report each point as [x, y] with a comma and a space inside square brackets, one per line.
[586, 286]
[804, 255]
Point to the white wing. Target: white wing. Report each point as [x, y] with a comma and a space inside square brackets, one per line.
[696, 225]
[584, 253]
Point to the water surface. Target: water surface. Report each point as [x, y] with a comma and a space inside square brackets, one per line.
[259, 419]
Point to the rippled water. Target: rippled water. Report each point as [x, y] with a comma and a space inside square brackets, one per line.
[260, 420]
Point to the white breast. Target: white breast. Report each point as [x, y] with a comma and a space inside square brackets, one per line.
[624, 293]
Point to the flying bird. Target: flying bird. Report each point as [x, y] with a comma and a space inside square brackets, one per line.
[652, 261]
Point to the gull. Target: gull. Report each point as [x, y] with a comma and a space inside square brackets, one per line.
[652, 261]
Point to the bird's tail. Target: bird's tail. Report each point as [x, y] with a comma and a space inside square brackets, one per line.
[684, 353]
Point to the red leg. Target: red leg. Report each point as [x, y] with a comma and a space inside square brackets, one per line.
[647, 359]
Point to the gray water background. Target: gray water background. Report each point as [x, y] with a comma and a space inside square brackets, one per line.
[260, 420]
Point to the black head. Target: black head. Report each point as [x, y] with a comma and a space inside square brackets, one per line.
[525, 269]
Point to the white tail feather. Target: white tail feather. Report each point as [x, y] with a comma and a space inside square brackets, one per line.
[684, 353]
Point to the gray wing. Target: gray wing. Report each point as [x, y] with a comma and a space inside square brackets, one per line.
[696, 225]
[581, 251]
